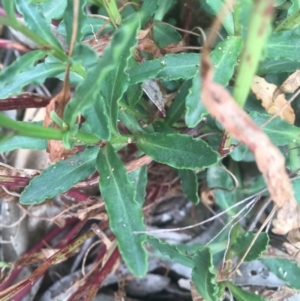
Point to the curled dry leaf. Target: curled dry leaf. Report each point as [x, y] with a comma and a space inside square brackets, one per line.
[57, 104]
[264, 91]
[289, 85]
[269, 159]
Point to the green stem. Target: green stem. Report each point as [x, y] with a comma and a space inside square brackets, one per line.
[113, 12]
[259, 28]
[294, 155]
[37, 131]
[30, 130]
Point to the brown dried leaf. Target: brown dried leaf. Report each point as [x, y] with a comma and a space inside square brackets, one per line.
[57, 104]
[269, 159]
[289, 85]
[264, 91]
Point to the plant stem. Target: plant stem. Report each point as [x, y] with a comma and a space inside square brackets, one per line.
[259, 26]
[290, 22]
[113, 12]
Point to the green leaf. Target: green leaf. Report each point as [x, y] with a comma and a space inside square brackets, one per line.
[224, 58]
[284, 269]
[242, 13]
[60, 177]
[277, 66]
[168, 67]
[130, 122]
[165, 35]
[21, 142]
[296, 189]
[204, 275]
[125, 214]
[172, 251]
[23, 63]
[240, 246]
[218, 178]
[177, 107]
[69, 20]
[176, 150]
[111, 82]
[280, 131]
[36, 22]
[284, 45]
[97, 119]
[148, 8]
[189, 183]
[133, 94]
[35, 75]
[9, 6]
[53, 9]
[216, 6]
[138, 178]
[294, 7]
[241, 295]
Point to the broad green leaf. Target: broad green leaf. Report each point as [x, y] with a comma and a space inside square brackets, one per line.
[240, 246]
[277, 66]
[216, 6]
[23, 63]
[204, 275]
[36, 22]
[165, 35]
[35, 75]
[69, 20]
[284, 45]
[130, 122]
[97, 119]
[241, 295]
[60, 177]
[138, 178]
[189, 183]
[280, 131]
[125, 214]
[53, 9]
[111, 82]
[218, 178]
[85, 55]
[148, 8]
[168, 67]
[224, 58]
[284, 269]
[89, 27]
[176, 150]
[172, 251]
[177, 107]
